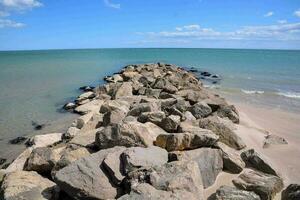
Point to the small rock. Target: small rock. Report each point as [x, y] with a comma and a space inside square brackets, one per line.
[292, 192]
[18, 140]
[232, 193]
[86, 95]
[273, 140]
[185, 141]
[2, 161]
[256, 161]
[265, 185]
[69, 106]
[137, 157]
[28, 185]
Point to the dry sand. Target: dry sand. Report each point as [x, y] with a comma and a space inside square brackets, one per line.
[255, 123]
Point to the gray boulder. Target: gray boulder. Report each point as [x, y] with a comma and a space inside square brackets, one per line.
[138, 109]
[154, 117]
[137, 157]
[265, 185]
[257, 161]
[223, 130]
[230, 112]
[292, 192]
[86, 179]
[185, 141]
[200, 110]
[21, 185]
[171, 123]
[232, 193]
[124, 90]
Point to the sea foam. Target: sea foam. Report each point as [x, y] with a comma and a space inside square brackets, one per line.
[290, 94]
[252, 91]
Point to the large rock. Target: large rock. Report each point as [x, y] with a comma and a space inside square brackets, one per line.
[232, 193]
[71, 132]
[138, 109]
[225, 132]
[137, 157]
[154, 117]
[209, 161]
[147, 192]
[256, 161]
[86, 139]
[273, 140]
[171, 123]
[124, 90]
[86, 179]
[175, 176]
[92, 106]
[45, 140]
[230, 112]
[185, 141]
[292, 192]
[86, 95]
[19, 163]
[265, 185]
[200, 110]
[232, 160]
[21, 185]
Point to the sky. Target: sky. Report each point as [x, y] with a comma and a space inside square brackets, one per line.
[75, 24]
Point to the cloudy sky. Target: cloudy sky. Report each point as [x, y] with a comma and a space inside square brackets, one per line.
[64, 24]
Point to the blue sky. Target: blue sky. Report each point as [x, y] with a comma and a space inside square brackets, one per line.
[64, 24]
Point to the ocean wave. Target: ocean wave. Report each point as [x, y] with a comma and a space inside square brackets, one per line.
[252, 91]
[290, 94]
[212, 86]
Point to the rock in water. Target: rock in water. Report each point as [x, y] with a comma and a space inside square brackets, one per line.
[265, 185]
[86, 179]
[18, 140]
[232, 193]
[273, 140]
[292, 192]
[137, 157]
[209, 161]
[256, 161]
[21, 185]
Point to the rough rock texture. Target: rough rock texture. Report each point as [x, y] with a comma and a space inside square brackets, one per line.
[230, 112]
[200, 110]
[171, 123]
[45, 140]
[209, 161]
[85, 178]
[292, 192]
[273, 140]
[19, 163]
[92, 106]
[137, 157]
[232, 160]
[265, 185]
[256, 161]
[226, 134]
[21, 185]
[232, 193]
[86, 139]
[185, 141]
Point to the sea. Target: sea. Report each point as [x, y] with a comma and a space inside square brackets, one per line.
[34, 85]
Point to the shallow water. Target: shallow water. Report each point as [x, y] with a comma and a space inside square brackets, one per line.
[35, 84]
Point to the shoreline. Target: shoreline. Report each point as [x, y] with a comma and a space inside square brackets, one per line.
[96, 117]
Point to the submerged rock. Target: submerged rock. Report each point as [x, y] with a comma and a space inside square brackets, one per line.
[18, 140]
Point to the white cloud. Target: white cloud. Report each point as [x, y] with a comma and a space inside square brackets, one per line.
[297, 13]
[271, 32]
[188, 27]
[6, 23]
[20, 4]
[269, 14]
[112, 5]
[283, 21]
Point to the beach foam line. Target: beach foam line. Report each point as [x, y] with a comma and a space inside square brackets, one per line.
[290, 94]
[252, 91]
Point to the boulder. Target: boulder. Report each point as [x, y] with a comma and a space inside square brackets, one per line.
[230, 112]
[92, 106]
[83, 120]
[86, 139]
[42, 160]
[232, 193]
[265, 185]
[189, 116]
[86, 179]
[137, 157]
[292, 192]
[232, 160]
[69, 106]
[225, 132]
[44, 140]
[171, 123]
[138, 109]
[257, 161]
[147, 192]
[273, 140]
[200, 110]
[124, 90]
[185, 141]
[19, 163]
[27, 185]
[71, 133]
[86, 95]
[209, 161]
[115, 111]
[154, 117]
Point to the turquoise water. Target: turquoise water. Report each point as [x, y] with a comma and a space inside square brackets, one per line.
[35, 84]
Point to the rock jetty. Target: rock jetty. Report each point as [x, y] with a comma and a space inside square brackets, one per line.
[151, 132]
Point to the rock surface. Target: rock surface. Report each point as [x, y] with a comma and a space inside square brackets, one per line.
[292, 192]
[273, 140]
[232, 193]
